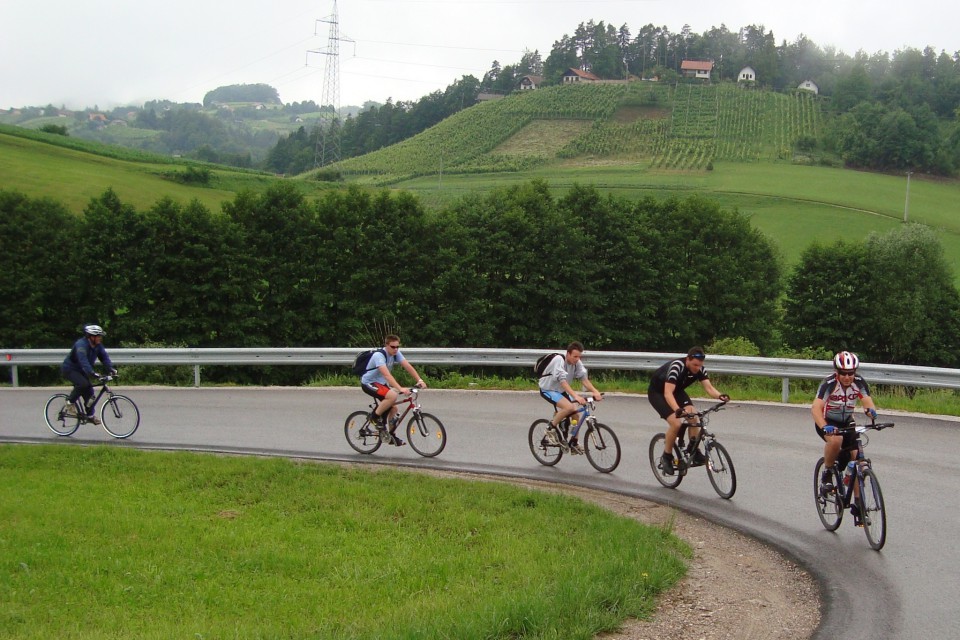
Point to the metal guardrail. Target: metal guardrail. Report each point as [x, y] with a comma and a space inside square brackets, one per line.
[783, 368]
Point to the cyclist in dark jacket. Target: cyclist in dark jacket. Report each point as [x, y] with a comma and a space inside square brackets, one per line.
[78, 368]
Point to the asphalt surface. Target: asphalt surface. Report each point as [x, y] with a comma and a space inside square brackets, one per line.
[907, 590]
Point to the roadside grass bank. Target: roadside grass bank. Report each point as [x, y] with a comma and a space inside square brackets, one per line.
[107, 542]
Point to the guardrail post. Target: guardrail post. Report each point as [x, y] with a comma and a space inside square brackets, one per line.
[14, 380]
[785, 390]
[196, 375]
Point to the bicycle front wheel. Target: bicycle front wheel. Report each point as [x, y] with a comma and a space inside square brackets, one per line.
[545, 448]
[58, 419]
[360, 433]
[426, 435]
[656, 452]
[602, 448]
[120, 416]
[872, 512]
[720, 470]
[828, 497]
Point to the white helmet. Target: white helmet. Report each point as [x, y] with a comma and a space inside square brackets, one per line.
[94, 330]
[846, 361]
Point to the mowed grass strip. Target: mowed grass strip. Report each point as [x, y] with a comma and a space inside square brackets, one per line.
[110, 542]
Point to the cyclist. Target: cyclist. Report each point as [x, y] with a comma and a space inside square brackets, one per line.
[379, 383]
[668, 396]
[833, 407]
[555, 388]
[77, 367]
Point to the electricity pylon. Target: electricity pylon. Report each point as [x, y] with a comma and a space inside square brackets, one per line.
[328, 141]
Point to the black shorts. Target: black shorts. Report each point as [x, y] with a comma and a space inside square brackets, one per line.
[659, 401]
[849, 442]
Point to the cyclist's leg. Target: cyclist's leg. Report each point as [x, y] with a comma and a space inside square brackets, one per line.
[383, 395]
[557, 400]
[81, 389]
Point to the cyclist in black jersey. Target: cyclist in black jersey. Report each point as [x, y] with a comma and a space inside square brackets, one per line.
[833, 407]
[668, 396]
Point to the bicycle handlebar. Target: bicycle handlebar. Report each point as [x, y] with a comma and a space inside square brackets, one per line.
[860, 428]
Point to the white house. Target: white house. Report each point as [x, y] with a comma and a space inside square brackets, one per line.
[699, 69]
[528, 83]
[809, 85]
[747, 74]
[578, 75]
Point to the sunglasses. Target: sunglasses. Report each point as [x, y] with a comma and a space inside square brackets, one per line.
[846, 373]
[394, 346]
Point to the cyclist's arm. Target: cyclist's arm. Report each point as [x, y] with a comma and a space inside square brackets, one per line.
[572, 393]
[589, 387]
[385, 371]
[710, 389]
[413, 372]
[817, 409]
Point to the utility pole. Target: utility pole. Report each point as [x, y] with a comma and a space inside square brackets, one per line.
[328, 141]
[906, 204]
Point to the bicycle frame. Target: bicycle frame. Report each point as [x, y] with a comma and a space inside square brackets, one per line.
[698, 419]
[411, 401]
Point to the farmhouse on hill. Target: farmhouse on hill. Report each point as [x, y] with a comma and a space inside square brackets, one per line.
[699, 69]
[528, 83]
[578, 75]
[747, 74]
[809, 85]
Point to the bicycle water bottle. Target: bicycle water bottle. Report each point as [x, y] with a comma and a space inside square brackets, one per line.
[574, 425]
[851, 469]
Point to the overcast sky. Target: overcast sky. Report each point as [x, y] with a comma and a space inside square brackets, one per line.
[106, 54]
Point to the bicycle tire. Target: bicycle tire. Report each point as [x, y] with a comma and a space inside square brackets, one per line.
[119, 416]
[873, 513]
[656, 450]
[426, 434]
[57, 419]
[546, 453]
[602, 448]
[720, 470]
[829, 503]
[361, 435]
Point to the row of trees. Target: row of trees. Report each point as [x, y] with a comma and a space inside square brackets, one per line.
[515, 268]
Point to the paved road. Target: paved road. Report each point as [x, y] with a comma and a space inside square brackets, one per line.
[908, 590]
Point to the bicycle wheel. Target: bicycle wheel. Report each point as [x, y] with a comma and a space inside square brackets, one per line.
[720, 470]
[426, 435]
[873, 515]
[656, 451]
[829, 501]
[57, 418]
[545, 450]
[120, 416]
[360, 433]
[602, 448]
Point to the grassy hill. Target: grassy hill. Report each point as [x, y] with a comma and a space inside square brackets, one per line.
[675, 127]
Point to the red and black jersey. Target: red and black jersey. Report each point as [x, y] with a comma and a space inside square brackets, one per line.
[840, 402]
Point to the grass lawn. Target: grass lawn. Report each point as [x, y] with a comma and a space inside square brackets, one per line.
[111, 542]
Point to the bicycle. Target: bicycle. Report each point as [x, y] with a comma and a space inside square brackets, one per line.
[548, 443]
[859, 483]
[425, 433]
[719, 465]
[119, 415]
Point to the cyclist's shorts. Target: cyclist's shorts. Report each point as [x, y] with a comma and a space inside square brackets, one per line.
[553, 397]
[849, 442]
[375, 390]
[659, 402]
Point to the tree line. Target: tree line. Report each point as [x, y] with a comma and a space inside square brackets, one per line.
[518, 268]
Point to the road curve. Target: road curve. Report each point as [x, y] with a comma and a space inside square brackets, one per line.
[907, 590]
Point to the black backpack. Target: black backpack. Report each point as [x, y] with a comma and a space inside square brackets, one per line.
[543, 362]
[362, 360]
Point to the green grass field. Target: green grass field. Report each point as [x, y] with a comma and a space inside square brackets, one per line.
[111, 542]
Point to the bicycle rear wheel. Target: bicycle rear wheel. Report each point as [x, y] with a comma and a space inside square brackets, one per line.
[361, 434]
[544, 449]
[656, 451]
[59, 421]
[426, 435]
[829, 500]
[602, 448]
[720, 470]
[120, 416]
[873, 514]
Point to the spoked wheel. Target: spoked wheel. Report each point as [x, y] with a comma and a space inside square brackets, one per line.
[545, 449]
[656, 451]
[872, 512]
[602, 448]
[120, 416]
[426, 435]
[828, 497]
[361, 434]
[58, 419]
[720, 470]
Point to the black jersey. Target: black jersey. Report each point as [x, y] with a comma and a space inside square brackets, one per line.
[677, 373]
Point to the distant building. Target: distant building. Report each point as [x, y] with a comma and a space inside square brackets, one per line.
[578, 75]
[809, 85]
[485, 97]
[747, 74]
[698, 69]
[528, 83]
